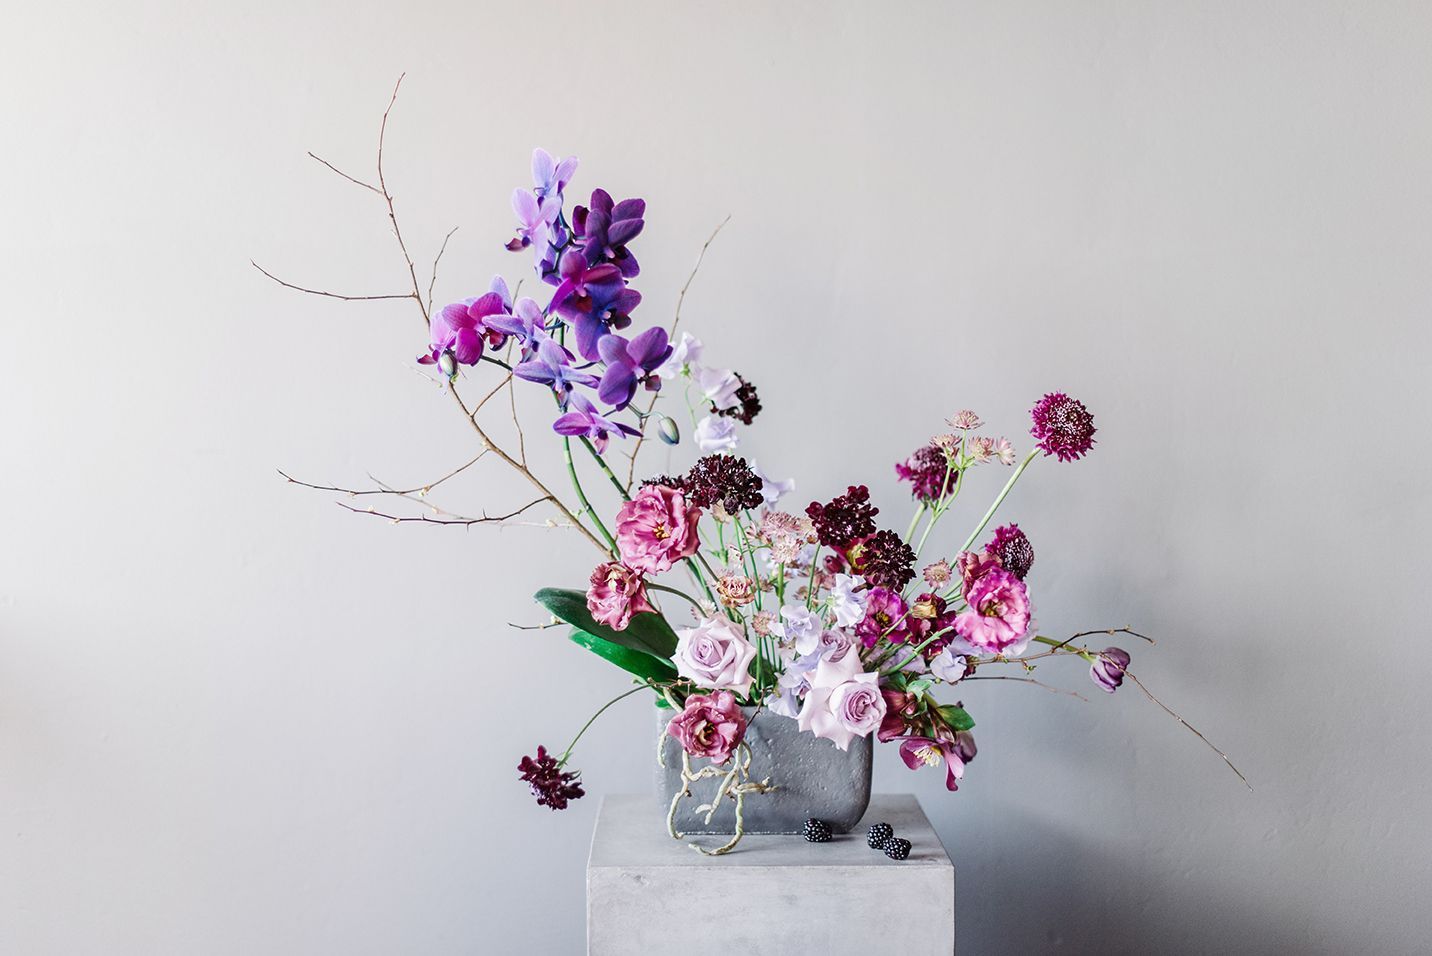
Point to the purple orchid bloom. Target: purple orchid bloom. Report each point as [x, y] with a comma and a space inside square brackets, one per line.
[587, 422]
[526, 323]
[534, 221]
[550, 177]
[553, 366]
[629, 363]
[607, 227]
[462, 327]
[593, 299]
[920, 752]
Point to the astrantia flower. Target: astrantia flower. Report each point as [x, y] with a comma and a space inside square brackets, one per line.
[845, 518]
[615, 593]
[657, 528]
[929, 473]
[748, 404]
[711, 726]
[965, 420]
[920, 752]
[885, 560]
[1004, 451]
[1012, 547]
[999, 615]
[980, 449]
[583, 420]
[938, 574]
[1108, 668]
[714, 434]
[762, 621]
[550, 785]
[631, 363]
[1063, 427]
[723, 478]
[885, 618]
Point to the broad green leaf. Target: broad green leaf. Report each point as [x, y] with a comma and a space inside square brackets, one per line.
[641, 664]
[957, 717]
[648, 632]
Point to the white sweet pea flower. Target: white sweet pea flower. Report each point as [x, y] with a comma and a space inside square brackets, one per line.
[719, 386]
[799, 625]
[771, 489]
[684, 360]
[716, 433]
[948, 666]
[846, 603]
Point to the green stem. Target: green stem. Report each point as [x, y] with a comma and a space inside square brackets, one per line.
[998, 501]
[915, 521]
[653, 586]
[568, 752]
[810, 585]
[606, 470]
[582, 496]
[916, 652]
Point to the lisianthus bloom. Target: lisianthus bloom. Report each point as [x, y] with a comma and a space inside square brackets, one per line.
[1108, 668]
[999, 615]
[885, 617]
[714, 654]
[586, 422]
[715, 434]
[711, 726]
[920, 752]
[929, 473]
[550, 784]
[615, 593]
[461, 328]
[1011, 546]
[656, 528]
[630, 363]
[1062, 427]
[842, 703]
[974, 566]
[844, 519]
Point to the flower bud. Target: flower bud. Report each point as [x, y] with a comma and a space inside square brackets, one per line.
[667, 430]
[1109, 667]
[448, 364]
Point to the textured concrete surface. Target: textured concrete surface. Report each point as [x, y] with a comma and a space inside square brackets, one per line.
[813, 778]
[774, 894]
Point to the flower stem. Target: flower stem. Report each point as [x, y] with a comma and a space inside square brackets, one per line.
[568, 752]
[582, 497]
[653, 586]
[602, 464]
[914, 522]
[998, 501]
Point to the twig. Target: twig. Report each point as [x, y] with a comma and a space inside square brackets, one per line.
[434, 280]
[388, 198]
[1111, 631]
[330, 295]
[1168, 710]
[384, 489]
[425, 519]
[1026, 680]
[356, 182]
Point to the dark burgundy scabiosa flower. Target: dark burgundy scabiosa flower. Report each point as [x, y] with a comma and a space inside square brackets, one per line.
[747, 406]
[928, 473]
[885, 560]
[844, 519]
[1063, 427]
[1109, 667]
[550, 785]
[666, 481]
[1011, 546]
[723, 478]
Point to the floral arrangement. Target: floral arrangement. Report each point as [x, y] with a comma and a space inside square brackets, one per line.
[708, 590]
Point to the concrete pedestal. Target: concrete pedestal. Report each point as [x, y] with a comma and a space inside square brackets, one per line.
[648, 893]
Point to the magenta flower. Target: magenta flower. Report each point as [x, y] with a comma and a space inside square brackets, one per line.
[999, 615]
[592, 299]
[462, 328]
[710, 726]
[615, 593]
[631, 363]
[974, 566]
[550, 784]
[885, 618]
[656, 528]
[526, 323]
[585, 421]
[1011, 546]
[920, 752]
[552, 365]
[1109, 667]
[1063, 427]
[929, 473]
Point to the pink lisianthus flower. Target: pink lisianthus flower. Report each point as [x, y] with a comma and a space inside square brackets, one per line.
[972, 566]
[885, 617]
[711, 726]
[920, 752]
[716, 654]
[999, 617]
[616, 593]
[841, 703]
[656, 529]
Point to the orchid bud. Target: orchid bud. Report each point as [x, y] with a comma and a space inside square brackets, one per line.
[448, 365]
[1108, 668]
[667, 430]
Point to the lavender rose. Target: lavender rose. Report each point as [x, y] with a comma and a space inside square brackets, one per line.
[714, 654]
[842, 703]
[710, 726]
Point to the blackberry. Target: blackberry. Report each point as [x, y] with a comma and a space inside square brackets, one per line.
[896, 848]
[817, 831]
[879, 833]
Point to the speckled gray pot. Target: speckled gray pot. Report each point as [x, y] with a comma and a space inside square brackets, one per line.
[813, 777]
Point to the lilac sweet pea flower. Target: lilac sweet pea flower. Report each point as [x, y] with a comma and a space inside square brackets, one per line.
[550, 177]
[607, 227]
[629, 363]
[716, 433]
[462, 327]
[553, 366]
[526, 323]
[585, 421]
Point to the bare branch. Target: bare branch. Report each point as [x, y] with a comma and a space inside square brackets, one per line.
[426, 519]
[1111, 631]
[1028, 680]
[382, 488]
[356, 182]
[388, 198]
[434, 281]
[1166, 709]
[330, 295]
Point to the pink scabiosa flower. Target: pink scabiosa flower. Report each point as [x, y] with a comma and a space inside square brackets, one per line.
[885, 617]
[714, 654]
[920, 752]
[842, 703]
[999, 615]
[710, 726]
[656, 528]
[929, 473]
[550, 784]
[615, 593]
[1109, 667]
[1011, 546]
[1063, 427]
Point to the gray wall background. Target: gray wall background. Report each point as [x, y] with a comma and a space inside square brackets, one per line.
[236, 719]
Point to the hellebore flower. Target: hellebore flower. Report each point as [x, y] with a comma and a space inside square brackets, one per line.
[615, 593]
[552, 365]
[1062, 427]
[1109, 667]
[714, 654]
[920, 752]
[657, 528]
[526, 323]
[711, 725]
[586, 422]
[550, 785]
[999, 616]
[463, 328]
[607, 227]
[534, 221]
[550, 177]
[715, 434]
[631, 362]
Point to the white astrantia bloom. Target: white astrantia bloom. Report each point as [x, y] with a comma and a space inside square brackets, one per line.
[716, 433]
[847, 604]
[719, 386]
[685, 358]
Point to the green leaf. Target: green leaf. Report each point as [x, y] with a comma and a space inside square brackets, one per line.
[648, 632]
[957, 717]
[641, 664]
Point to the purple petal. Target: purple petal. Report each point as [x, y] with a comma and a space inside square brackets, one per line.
[489, 303]
[630, 209]
[613, 349]
[601, 200]
[499, 286]
[618, 385]
[541, 167]
[573, 423]
[467, 349]
[650, 348]
[566, 169]
[623, 231]
[535, 371]
[524, 205]
[589, 329]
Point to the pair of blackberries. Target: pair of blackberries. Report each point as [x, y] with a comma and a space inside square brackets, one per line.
[882, 837]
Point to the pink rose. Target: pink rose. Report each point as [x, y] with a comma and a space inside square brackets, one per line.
[615, 594]
[842, 703]
[656, 529]
[715, 654]
[999, 617]
[710, 726]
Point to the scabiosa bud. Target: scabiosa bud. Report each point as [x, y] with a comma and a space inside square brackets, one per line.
[1109, 667]
[747, 406]
[1011, 546]
[550, 785]
[845, 518]
[1063, 427]
[667, 431]
[725, 479]
[886, 561]
[929, 473]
